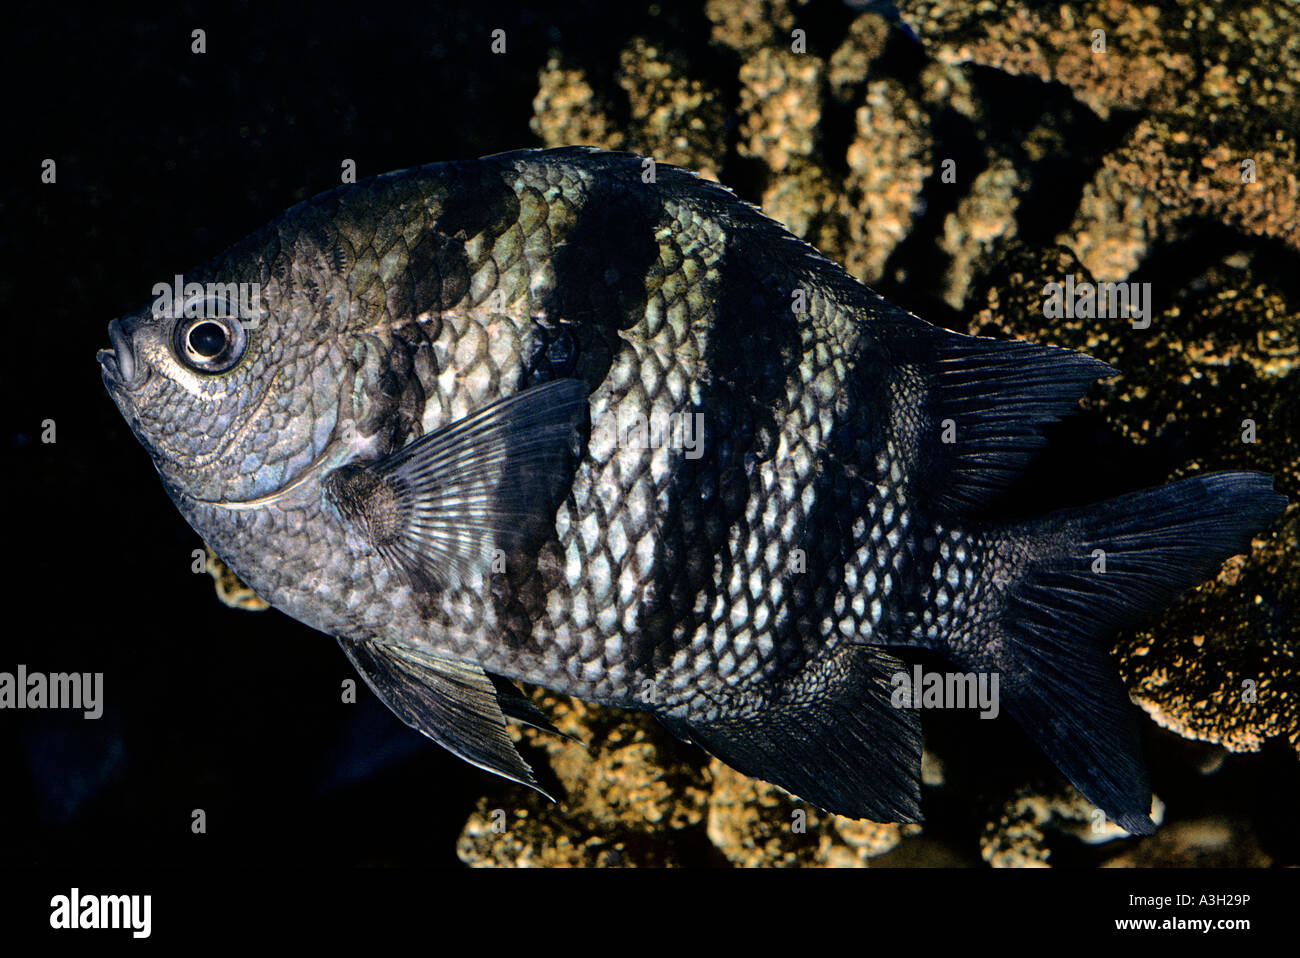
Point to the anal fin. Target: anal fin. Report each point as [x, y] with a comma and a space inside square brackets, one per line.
[841, 745]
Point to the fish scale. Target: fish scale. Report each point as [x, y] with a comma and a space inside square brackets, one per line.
[455, 439]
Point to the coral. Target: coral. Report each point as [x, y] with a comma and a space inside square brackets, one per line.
[567, 112]
[1113, 228]
[850, 64]
[986, 214]
[1018, 838]
[889, 161]
[756, 824]
[1193, 173]
[812, 205]
[749, 25]
[230, 589]
[780, 100]
[1200, 843]
[1217, 84]
[632, 794]
[527, 838]
[622, 779]
[1138, 67]
[675, 119]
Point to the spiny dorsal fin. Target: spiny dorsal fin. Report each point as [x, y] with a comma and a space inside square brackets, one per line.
[439, 508]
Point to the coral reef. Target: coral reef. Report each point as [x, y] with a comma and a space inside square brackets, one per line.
[1220, 665]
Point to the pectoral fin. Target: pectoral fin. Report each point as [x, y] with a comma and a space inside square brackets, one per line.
[454, 704]
[450, 503]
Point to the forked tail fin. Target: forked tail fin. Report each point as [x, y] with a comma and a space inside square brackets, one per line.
[1050, 588]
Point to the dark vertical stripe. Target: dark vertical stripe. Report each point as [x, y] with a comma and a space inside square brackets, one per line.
[601, 265]
[753, 349]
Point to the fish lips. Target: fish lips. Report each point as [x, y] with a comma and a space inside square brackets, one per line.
[119, 364]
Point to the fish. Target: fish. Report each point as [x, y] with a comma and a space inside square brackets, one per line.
[593, 423]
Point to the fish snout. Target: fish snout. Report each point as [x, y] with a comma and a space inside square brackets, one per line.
[119, 362]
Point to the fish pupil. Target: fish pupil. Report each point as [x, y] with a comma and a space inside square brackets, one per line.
[208, 339]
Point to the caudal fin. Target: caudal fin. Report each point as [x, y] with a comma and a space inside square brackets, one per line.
[1055, 586]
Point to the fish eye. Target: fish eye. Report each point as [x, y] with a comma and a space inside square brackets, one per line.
[209, 343]
[208, 339]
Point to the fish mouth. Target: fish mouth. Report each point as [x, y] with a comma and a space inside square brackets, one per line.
[119, 362]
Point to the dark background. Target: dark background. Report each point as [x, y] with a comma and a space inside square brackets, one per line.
[164, 159]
